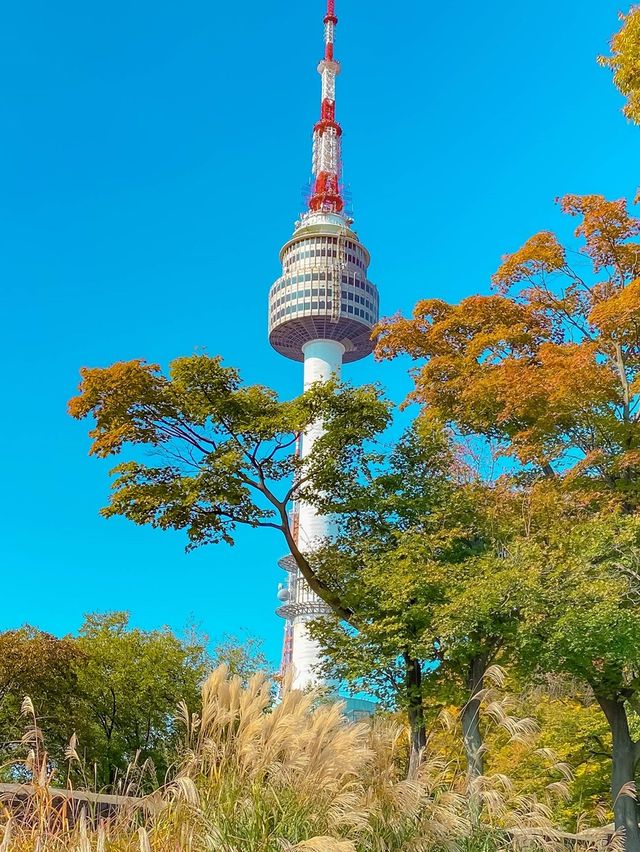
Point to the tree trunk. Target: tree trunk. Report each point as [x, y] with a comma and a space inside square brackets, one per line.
[415, 712]
[624, 760]
[470, 718]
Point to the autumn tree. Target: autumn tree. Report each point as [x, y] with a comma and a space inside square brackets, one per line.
[44, 667]
[625, 62]
[548, 368]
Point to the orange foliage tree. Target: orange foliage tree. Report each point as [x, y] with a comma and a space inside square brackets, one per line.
[549, 365]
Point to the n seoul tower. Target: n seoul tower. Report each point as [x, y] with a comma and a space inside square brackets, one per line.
[321, 312]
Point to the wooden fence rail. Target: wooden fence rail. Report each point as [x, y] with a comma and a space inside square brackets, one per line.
[16, 797]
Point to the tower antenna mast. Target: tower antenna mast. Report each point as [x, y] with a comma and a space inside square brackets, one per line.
[327, 133]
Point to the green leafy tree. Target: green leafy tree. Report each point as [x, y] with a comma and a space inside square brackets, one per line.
[583, 620]
[625, 62]
[227, 451]
[572, 726]
[243, 657]
[130, 683]
[416, 560]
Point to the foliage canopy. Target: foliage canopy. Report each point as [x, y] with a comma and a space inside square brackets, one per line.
[625, 62]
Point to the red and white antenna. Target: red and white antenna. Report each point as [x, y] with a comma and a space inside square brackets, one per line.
[326, 194]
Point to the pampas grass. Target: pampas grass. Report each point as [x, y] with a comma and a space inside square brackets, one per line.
[289, 777]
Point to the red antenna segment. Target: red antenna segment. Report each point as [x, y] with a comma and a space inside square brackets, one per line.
[327, 149]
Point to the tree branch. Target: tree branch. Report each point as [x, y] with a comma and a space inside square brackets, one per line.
[315, 584]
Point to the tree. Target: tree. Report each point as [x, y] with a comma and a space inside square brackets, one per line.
[242, 657]
[548, 374]
[625, 62]
[551, 373]
[115, 688]
[416, 560]
[584, 620]
[130, 683]
[39, 665]
[228, 451]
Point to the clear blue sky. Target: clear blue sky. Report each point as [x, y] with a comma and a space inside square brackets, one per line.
[151, 160]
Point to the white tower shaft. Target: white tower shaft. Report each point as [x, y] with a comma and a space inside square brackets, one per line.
[322, 362]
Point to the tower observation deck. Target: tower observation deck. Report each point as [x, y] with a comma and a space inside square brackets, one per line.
[322, 310]
[324, 292]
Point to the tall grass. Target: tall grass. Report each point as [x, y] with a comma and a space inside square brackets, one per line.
[253, 777]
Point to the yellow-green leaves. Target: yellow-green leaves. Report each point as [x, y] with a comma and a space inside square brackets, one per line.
[625, 62]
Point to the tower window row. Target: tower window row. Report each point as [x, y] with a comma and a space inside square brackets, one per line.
[332, 253]
[323, 275]
[320, 292]
[328, 241]
[328, 247]
[305, 253]
[311, 308]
